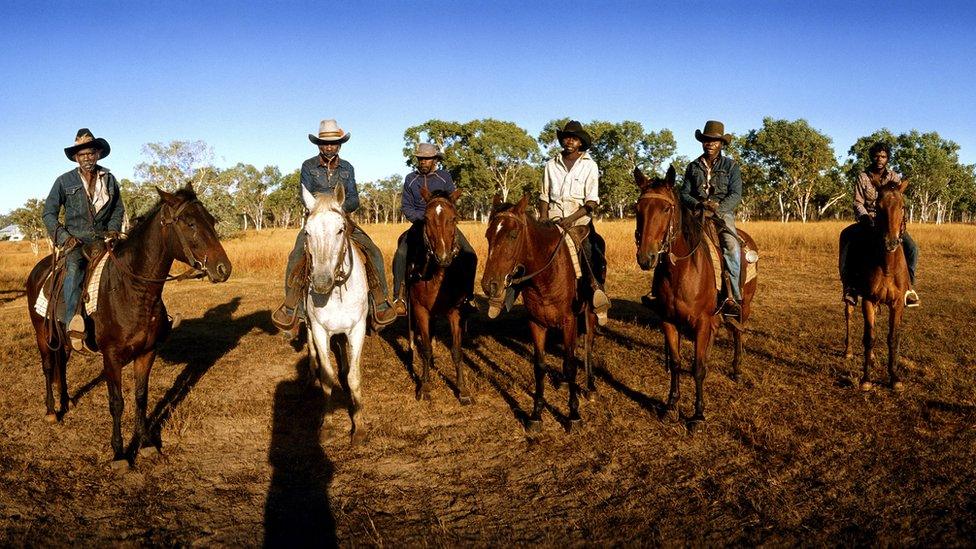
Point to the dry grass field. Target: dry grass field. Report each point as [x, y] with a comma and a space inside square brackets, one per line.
[252, 454]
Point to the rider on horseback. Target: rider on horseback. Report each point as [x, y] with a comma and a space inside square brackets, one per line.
[93, 211]
[413, 206]
[570, 189]
[713, 183]
[865, 196]
[320, 174]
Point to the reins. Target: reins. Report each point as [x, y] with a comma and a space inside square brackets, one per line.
[197, 268]
[672, 234]
[509, 281]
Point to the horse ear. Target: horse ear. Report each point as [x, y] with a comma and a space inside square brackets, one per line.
[496, 200]
[455, 195]
[340, 193]
[671, 176]
[903, 185]
[639, 177]
[425, 192]
[189, 186]
[520, 207]
[168, 198]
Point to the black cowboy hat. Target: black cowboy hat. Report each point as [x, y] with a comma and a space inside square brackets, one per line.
[713, 130]
[85, 140]
[575, 129]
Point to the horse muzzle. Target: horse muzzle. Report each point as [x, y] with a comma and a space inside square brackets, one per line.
[891, 244]
[648, 261]
[322, 284]
[220, 273]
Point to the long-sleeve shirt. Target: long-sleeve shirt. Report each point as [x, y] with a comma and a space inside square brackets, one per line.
[83, 218]
[412, 204]
[566, 190]
[721, 182]
[866, 191]
[318, 176]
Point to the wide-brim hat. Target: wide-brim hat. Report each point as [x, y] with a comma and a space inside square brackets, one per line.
[329, 133]
[427, 150]
[575, 129]
[85, 140]
[713, 130]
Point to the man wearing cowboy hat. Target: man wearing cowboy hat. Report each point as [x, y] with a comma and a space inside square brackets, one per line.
[414, 206]
[712, 182]
[320, 174]
[570, 192]
[93, 210]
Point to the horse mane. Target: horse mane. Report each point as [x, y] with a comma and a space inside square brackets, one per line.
[325, 202]
[690, 227]
[440, 193]
[143, 220]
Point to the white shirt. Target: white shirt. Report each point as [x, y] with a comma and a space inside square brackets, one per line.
[100, 198]
[567, 190]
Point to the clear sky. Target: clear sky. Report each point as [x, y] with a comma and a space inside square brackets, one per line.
[253, 79]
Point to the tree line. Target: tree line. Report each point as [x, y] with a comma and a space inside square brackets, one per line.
[790, 171]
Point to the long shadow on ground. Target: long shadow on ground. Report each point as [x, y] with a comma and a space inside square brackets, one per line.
[200, 343]
[297, 512]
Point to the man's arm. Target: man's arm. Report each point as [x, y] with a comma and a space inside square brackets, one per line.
[544, 195]
[351, 203]
[118, 211]
[687, 187]
[859, 208]
[52, 207]
[734, 196]
[411, 209]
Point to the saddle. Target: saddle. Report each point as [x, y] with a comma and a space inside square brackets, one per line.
[713, 244]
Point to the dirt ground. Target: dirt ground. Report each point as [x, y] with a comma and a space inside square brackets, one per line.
[252, 454]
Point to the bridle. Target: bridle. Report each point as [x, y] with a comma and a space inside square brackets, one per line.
[513, 278]
[339, 273]
[671, 234]
[891, 245]
[168, 218]
[456, 248]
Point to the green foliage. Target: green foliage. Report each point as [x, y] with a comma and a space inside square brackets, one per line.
[284, 202]
[29, 218]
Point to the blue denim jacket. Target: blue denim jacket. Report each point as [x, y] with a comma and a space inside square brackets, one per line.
[726, 185]
[412, 204]
[316, 178]
[79, 220]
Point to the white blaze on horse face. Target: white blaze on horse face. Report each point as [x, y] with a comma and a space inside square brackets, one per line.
[438, 209]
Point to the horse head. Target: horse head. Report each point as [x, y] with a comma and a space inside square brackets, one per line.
[327, 241]
[440, 224]
[190, 232]
[656, 216]
[506, 234]
[890, 217]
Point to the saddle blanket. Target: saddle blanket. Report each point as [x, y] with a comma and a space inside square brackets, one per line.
[573, 254]
[91, 301]
[715, 254]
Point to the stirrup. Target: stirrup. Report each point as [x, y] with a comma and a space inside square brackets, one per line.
[77, 335]
[385, 316]
[849, 297]
[911, 298]
[400, 307]
[285, 318]
[601, 304]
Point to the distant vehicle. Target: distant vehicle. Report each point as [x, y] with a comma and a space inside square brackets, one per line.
[11, 233]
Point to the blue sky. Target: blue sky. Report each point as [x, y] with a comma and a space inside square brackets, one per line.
[252, 80]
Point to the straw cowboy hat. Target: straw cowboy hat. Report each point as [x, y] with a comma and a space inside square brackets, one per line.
[427, 150]
[713, 130]
[85, 140]
[575, 129]
[329, 133]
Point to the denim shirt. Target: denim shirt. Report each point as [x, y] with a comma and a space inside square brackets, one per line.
[316, 178]
[412, 204]
[725, 185]
[79, 219]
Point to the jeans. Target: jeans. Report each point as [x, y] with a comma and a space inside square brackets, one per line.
[74, 277]
[911, 254]
[731, 253]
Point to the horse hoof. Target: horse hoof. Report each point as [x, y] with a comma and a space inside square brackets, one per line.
[867, 386]
[51, 418]
[897, 386]
[695, 424]
[466, 400]
[735, 377]
[574, 424]
[425, 396]
[119, 465]
[533, 425]
[591, 396]
[148, 452]
[357, 437]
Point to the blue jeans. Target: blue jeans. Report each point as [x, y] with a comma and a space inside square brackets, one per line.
[74, 277]
[731, 253]
[911, 254]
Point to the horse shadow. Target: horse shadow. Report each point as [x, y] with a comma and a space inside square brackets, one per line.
[200, 343]
[297, 511]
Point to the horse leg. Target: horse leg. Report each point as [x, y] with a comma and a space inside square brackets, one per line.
[61, 375]
[422, 317]
[324, 369]
[142, 365]
[354, 342]
[589, 342]
[113, 380]
[868, 310]
[569, 369]
[703, 342]
[48, 364]
[895, 314]
[457, 332]
[534, 423]
[848, 313]
[736, 334]
[672, 358]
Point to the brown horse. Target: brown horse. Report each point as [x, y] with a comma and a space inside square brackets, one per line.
[527, 255]
[879, 274]
[671, 243]
[130, 320]
[443, 292]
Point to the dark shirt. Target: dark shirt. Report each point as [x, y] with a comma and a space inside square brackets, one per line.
[724, 185]
[317, 178]
[79, 219]
[412, 204]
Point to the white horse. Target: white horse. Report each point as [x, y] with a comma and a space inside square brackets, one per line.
[336, 303]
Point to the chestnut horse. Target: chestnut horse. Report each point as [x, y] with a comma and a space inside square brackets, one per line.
[130, 320]
[879, 274]
[528, 255]
[671, 243]
[444, 291]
